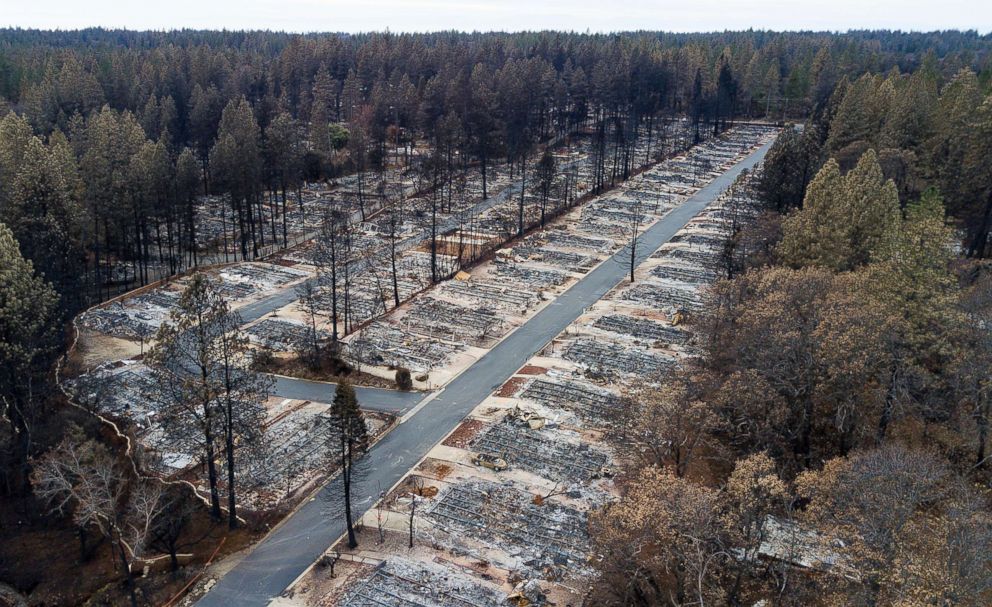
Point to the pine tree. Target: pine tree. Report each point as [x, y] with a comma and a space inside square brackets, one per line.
[859, 115]
[236, 165]
[15, 134]
[911, 119]
[28, 345]
[789, 166]
[211, 400]
[872, 209]
[187, 186]
[349, 439]
[320, 113]
[975, 174]
[285, 156]
[814, 234]
[844, 220]
[45, 215]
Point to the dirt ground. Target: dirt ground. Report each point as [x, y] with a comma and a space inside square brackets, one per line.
[532, 370]
[464, 434]
[41, 557]
[511, 387]
[94, 348]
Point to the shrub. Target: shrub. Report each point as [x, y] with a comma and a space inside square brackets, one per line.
[403, 379]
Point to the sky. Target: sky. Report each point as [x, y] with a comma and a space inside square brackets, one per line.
[502, 15]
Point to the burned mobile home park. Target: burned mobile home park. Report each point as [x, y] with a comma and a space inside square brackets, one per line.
[494, 319]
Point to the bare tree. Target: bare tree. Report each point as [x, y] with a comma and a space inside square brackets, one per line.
[179, 507]
[81, 479]
[380, 516]
[308, 297]
[243, 392]
[329, 559]
[329, 256]
[415, 495]
[394, 221]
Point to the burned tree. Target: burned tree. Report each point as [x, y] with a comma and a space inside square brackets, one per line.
[330, 256]
[415, 495]
[309, 299]
[242, 392]
[179, 508]
[636, 217]
[394, 222]
[208, 393]
[668, 426]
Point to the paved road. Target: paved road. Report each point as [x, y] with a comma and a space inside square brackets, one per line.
[377, 399]
[282, 556]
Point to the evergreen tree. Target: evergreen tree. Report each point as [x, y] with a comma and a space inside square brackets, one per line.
[236, 166]
[285, 157]
[187, 187]
[348, 440]
[45, 215]
[211, 400]
[845, 219]
[320, 113]
[859, 116]
[28, 347]
[790, 164]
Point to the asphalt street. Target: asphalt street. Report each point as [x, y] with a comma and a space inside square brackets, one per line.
[286, 552]
[376, 399]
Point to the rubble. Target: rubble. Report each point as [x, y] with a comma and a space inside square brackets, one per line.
[242, 280]
[117, 389]
[612, 359]
[541, 538]
[435, 317]
[664, 297]
[571, 262]
[531, 276]
[642, 328]
[399, 582]
[589, 402]
[567, 240]
[542, 452]
[134, 318]
[677, 272]
[491, 293]
[386, 345]
[696, 256]
[281, 335]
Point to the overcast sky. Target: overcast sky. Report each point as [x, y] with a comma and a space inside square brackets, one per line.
[508, 15]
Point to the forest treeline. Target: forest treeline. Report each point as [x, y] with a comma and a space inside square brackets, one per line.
[114, 135]
[831, 444]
